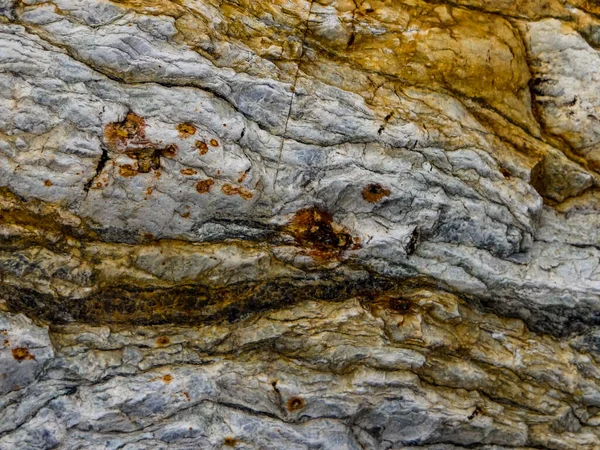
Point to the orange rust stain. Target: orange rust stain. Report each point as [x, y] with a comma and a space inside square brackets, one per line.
[242, 177]
[167, 379]
[158, 174]
[185, 215]
[188, 172]
[149, 191]
[313, 227]
[121, 132]
[201, 147]
[228, 189]
[163, 340]
[127, 170]
[375, 192]
[295, 403]
[186, 130]
[214, 142]
[21, 354]
[187, 396]
[170, 151]
[204, 186]
[47, 183]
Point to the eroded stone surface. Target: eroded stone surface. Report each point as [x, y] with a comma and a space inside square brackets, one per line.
[299, 224]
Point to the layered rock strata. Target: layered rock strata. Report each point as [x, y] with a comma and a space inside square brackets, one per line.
[299, 224]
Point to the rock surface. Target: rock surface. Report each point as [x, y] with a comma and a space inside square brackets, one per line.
[298, 224]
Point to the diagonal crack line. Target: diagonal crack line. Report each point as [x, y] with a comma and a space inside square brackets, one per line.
[296, 75]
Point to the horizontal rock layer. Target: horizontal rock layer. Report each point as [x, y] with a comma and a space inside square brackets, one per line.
[299, 224]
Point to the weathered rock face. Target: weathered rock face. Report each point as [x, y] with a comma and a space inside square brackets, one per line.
[299, 224]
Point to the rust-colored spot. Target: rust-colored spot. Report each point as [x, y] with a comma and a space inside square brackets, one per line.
[167, 379]
[170, 151]
[186, 130]
[21, 354]
[214, 142]
[188, 172]
[295, 403]
[201, 147]
[505, 172]
[203, 187]
[163, 340]
[149, 191]
[228, 189]
[399, 304]
[375, 192]
[6, 342]
[243, 176]
[47, 183]
[127, 170]
[120, 132]
[230, 442]
[186, 215]
[187, 396]
[314, 227]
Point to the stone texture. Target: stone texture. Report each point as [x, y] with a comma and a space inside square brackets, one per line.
[299, 224]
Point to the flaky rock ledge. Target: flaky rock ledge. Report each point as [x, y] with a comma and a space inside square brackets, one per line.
[294, 224]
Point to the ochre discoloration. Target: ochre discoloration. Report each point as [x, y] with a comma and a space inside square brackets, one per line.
[120, 132]
[204, 186]
[163, 340]
[188, 172]
[47, 183]
[214, 142]
[375, 192]
[313, 227]
[201, 147]
[170, 151]
[228, 189]
[127, 170]
[167, 379]
[186, 130]
[295, 403]
[22, 354]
